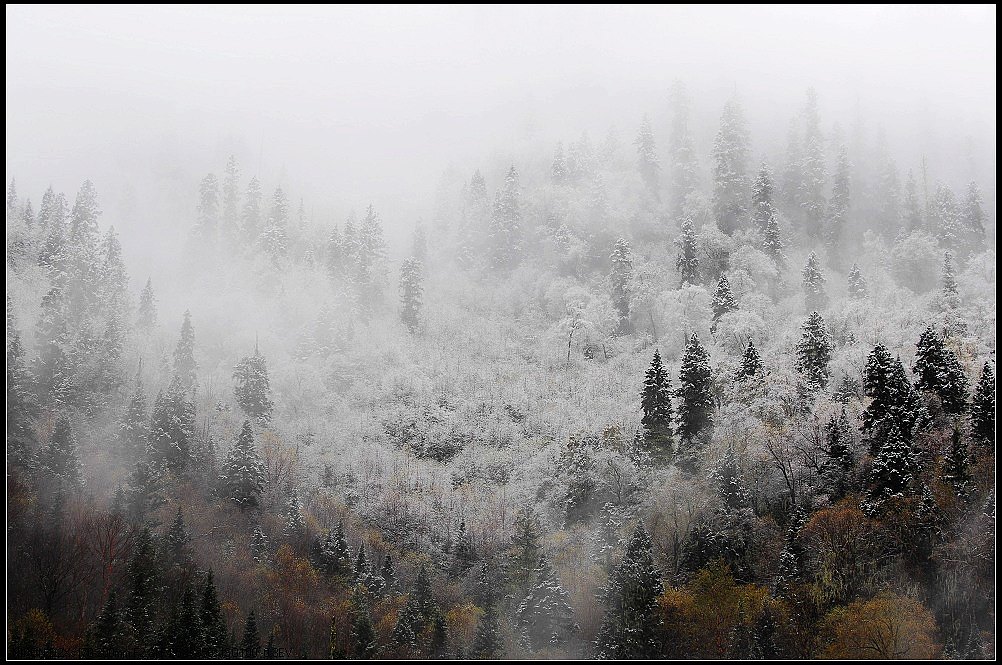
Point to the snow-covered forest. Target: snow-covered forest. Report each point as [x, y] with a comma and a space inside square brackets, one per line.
[686, 380]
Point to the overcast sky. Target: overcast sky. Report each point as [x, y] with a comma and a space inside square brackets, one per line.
[348, 105]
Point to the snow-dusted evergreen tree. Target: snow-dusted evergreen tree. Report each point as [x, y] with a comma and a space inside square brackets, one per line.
[335, 558]
[251, 386]
[956, 466]
[295, 523]
[631, 625]
[912, 209]
[888, 197]
[278, 215]
[231, 200]
[647, 157]
[894, 399]
[250, 643]
[655, 401]
[620, 278]
[814, 352]
[772, 242]
[951, 296]
[11, 198]
[243, 471]
[792, 556]
[723, 300]
[857, 283]
[893, 470]
[790, 180]
[487, 640]
[815, 296]
[944, 218]
[177, 536]
[411, 293]
[208, 208]
[53, 255]
[146, 317]
[838, 210]
[259, 544]
[250, 217]
[839, 464]
[545, 614]
[695, 392]
[559, 169]
[388, 574]
[506, 236]
[972, 217]
[172, 430]
[811, 188]
[683, 165]
[939, 371]
[762, 194]
[730, 169]
[419, 243]
[751, 364]
[687, 262]
[185, 367]
[22, 404]
[983, 408]
[61, 457]
[525, 549]
[135, 428]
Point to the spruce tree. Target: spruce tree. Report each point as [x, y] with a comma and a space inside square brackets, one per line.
[250, 216]
[61, 458]
[812, 185]
[259, 544]
[695, 411]
[723, 300]
[944, 218]
[172, 429]
[939, 371]
[143, 581]
[145, 493]
[631, 626]
[104, 639]
[525, 548]
[22, 404]
[250, 644]
[176, 538]
[762, 193]
[411, 293]
[184, 356]
[684, 168]
[620, 278]
[334, 555]
[893, 470]
[972, 215]
[857, 283]
[487, 642]
[951, 296]
[295, 523]
[895, 401]
[387, 574]
[983, 408]
[751, 364]
[772, 243]
[364, 634]
[505, 234]
[135, 425]
[647, 158]
[146, 317]
[243, 473]
[815, 297]
[655, 401]
[231, 199]
[913, 219]
[687, 262]
[839, 464]
[838, 210]
[212, 620]
[814, 352]
[208, 208]
[252, 388]
[278, 215]
[730, 169]
[956, 466]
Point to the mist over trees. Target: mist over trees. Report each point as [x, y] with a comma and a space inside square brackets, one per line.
[682, 389]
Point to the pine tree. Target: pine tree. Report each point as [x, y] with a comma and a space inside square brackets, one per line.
[135, 425]
[208, 208]
[983, 408]
[730, 169]
[751, 364]
[184, 356]
[147, 315]
[951, 296]
[559, 169]
[411, 293]
[684, 169]
[732, 492]
[939, 371]
[695, 411]
[54, 255]
[143, 580]
[956, 466]
[810, 191]
[945, 218]
[173, 427]
[145, 494]
[61, 459]
[647, 158]
[278, 216]
[364, 634]
[687, 263]
[259, 544]
[22, 404]
[387, 574]
[839, 465]
[212, 620]
[772, 243]
[895, 401]
[334, 555]
[250, 644]
[723, 300]
[487, 644]
[792, 556]
[762, 193]
[815, 297]
[655, 401]
[252, 388]
[631, 625]
[893, 470]
[104, 639]
[621, 277]
[295, 523]
[11, 199]
[525, 548]
[506, 225]
[231, 199]
[838, 210]
[857, 283]
[250, 216]
[243, 473]
[176, 538]
[814, 352]
[972, 216]
[913, 219]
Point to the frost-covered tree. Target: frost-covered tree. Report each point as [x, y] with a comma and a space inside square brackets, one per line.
[506, 236]
[335, 559]
[695, 392]
[411, 293]
[250, 643]
[278, 215]
[259, 544]
[647, 158]
[772, 242]
[751, 364]
[951, 296]
[893, 470]
[22, 404]
[687, 262]
[295, 523]
[839, 463]
[419, 243]
[61, 457]
[250, 217]
[146, 317]
[894, 399]
[134, 429]
[762, 194]
[983, 408]
[814, 352]
[939, 371]
[208, 208]
[545, 614]
[487, 641]
[815, 296]
[683, 165]
[857, 283]
[912, 209]
[231, 200]
[730, 169]
[620, 279]
[243, 472]
[655, 401]
[812, 186]
[251, 386]
[956, 466]
[972, 217]
[172, 429]
[723, 300]
[944, 218]
[631, 625]
[177, 537]
[838, 210]
[185, 367]
[558, 172]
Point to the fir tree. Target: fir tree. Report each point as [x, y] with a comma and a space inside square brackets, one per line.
[814, 352]
[695, 411]
[144, 589]
[812, 183]
[22, 404]
[11, 199]
[772, 243]
[559, 169]
[183, 638]
[145, 493]
[259, 544]
[893, 469]
[762, 193]
[790, 186]
[208, 208]
[972, 216]
[838, 209]
[243, 473]
[278, 216]
[730, 166]
[61, 459]
[792, 556]
[135, 425]
[176, 538]
[147, 315]
[687, 262]
[53, 255]
[250, 216]
[895, 401]
[295, 523]
[939, 371]
[252, 388]
[250, 644]
[647, 159]
[212, 620]
[839, 464]
[487, 642]
[104, 639]
[334, 554]
[173, 427]
[387, 573]
[983, 408]
[945, 220]
[723, 300]
[857, 283]
[364, 634]
[951, 296]
[621, 276]
[751, 364]
[956, 466]
[525, 548]
[411, 293]
[506, 225]
[184, 356]
[684, 169]
[913, 219]
[815, 297]
[655, 401]
[231, 199]
[631, 625]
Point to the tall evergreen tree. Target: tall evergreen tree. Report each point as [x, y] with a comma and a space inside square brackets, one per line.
[811, 189]
[687, 262]
[894, 399]
[295, 523]
[983, 408]
[839, 464]
[956, 466]
[388, 574]
[104, 639]
[173, 427]
[134, 429]
[857, 283]
[790, 182]
[278, 215]
[252, 388]
[250, 644]
[695, 411]
[912, 209]
[751, 364]
[61, 458]
[231, 200]
[647, 158]
[621, 277]
[655, 401]
[815, 296]
[631, 626]
[951, 296]
[972, 217]
[838, 210]
[730, 169]
[147, 315]
[939, 371]
[814, 352]
[559, 169]
[259, 544]
[505, 235]
[208, 208]
[250, 216]
[212, 620]
[893, 470]
[723, 300]
[525, 549]
[944, 218]
[487, 644]
[145, 493]
[143, 580]
[684, 167]
[545, 614]
[762, 193]
[243, 473]
[334, 555]
[22, 404]
[411, 293]
[184, 356]
[772, 242]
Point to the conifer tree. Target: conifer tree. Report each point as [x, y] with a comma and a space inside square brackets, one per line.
[104, 639]
[184, 356]
[647, 158]
[259, 544]
[695, 411]
[793, 554]
[814, 352]
[295, 523]
[839, 464]
[11, 199]
[790, 182]
[173, 427]
[147, 315]
[334, 555]
[176, 538]
[145, 493]
[54, 254]
[838, 210]
[143, 580]
[525, 548]
[243, 473]
[411, 294]
[621, 276]
[687, 263]
[231, 199]
[135, 425]
[364, 634]
[944, 218]
[956, 466]
[684, 168]
[939, 371]
[559, 169]
[951, 296]
[723, 300]
[983, 408]
[972, 216]
[815, 297]
[631, 625]
[655, 401]
[61, 458]
[278, 215]
[212, 620]
[751, 364]
[252, 388]
[22, 404]
[387, 574]
[812, 184]
[250, 216]
[772, 243]
[762, 192]
[893, 470]
[250, 644]
[487, 642]
[895, 400]
[857, 283]
[730, 169]
[505, 235]
[913, 219]
[208, 208]
[113, 280]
